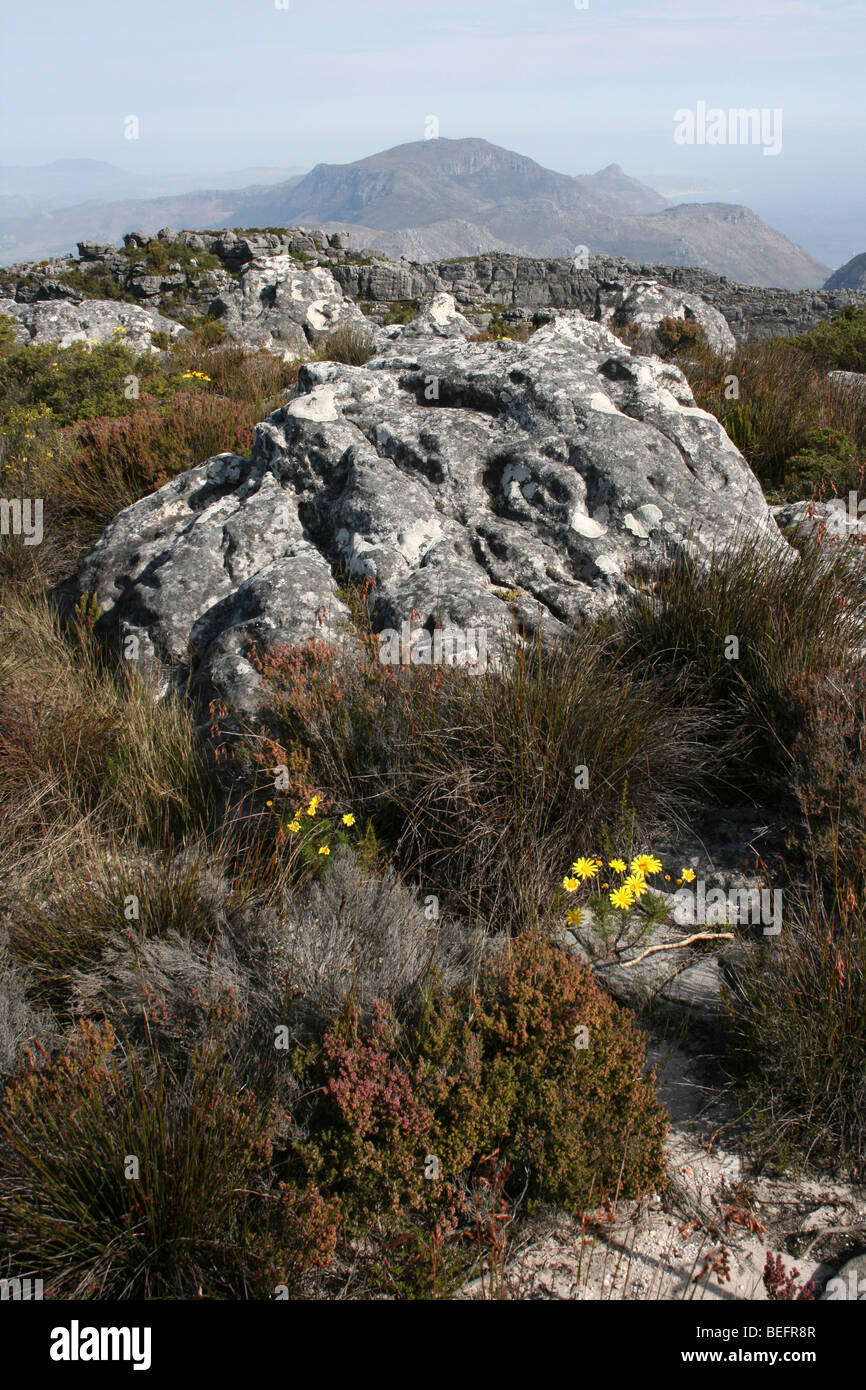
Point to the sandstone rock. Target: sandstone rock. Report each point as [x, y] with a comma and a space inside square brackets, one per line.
[439, 318]
[90, 321]
[646, 303]
[849, 381]
[834, 520]
[444, 470]
[96, 250]
[284, 306]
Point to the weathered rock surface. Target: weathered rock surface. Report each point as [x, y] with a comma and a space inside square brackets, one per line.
[646, 302]
[444, 470]
[835, 520]
[90, 321]
[284, 306]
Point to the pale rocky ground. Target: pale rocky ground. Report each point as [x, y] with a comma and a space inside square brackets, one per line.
[671, 1246]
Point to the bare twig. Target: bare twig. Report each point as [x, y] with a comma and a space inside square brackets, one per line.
[676, 945]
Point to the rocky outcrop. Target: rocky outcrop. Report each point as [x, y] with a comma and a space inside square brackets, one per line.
[837, 520]
[752, 313]
[242, 277]
[282, 305]
[63, 322]
[480, 485]
[645, 303]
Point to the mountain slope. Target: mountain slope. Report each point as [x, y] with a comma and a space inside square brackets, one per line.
[432, 198]
[850, 276]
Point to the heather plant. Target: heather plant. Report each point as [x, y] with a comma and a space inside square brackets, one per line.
[402, 1127]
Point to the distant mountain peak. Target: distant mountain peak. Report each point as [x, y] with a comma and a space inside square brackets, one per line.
[452, 197]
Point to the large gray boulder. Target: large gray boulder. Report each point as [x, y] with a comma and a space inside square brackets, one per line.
[646, 302]
[284, 306]
[91, 321]
[477, 484]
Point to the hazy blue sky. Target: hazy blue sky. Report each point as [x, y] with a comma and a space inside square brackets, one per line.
[218, 84]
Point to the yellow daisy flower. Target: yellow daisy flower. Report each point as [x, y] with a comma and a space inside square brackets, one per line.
[618, 865]
[585, 868]
[323, 849]
[636, 884]
[622, 897]
[570, 884]
[646, 864]
[688, 875]
[574, 917]
[294, 826]
[349, 819]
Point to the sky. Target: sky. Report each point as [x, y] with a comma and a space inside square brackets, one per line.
[222, 84]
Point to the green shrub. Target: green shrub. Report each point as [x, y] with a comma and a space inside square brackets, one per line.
[401, 311]
[794, 426]
[839, 342]
[74, 383]
[95, 281]
[156, 257]
[827, 462]
[8, 338]
[402, 1130]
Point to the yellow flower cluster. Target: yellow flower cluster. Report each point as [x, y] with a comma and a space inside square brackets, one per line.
[633, 885]
[187, 376]
[295, 824]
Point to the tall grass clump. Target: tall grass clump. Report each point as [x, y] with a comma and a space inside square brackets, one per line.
[796, 1034]
[476, 780]
[791, 615]
[802, 433]
[121, 1178]
[84, 736]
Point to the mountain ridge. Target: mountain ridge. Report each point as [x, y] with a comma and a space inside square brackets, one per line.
[430, 198]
